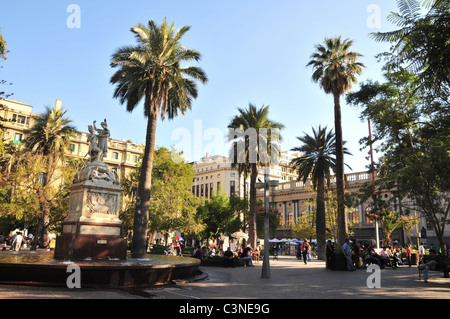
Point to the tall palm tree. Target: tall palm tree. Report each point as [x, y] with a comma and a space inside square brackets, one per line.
[152, 71]
[254, 120]
[335, 69]
[48, 139]
[316, 161]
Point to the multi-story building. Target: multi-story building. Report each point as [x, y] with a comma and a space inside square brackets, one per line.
[16, 117]
[293, 198]
[213, 171]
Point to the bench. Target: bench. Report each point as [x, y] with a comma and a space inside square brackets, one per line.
[443, 265]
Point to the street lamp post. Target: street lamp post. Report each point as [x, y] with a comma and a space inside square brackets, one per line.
[266, 265]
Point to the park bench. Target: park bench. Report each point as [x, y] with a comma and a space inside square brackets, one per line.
[443, 265]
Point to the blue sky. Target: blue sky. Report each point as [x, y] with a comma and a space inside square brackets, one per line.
[253, 51]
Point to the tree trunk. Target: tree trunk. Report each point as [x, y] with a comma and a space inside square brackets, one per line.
[320, 218]
[140, 225]
[252, 212]
[340, 186]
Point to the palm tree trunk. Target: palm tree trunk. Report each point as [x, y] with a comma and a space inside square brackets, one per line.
[341, 218]
[320, 218]
[140, 225]
[252, 212]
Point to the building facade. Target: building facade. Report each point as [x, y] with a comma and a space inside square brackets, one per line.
[16, 117]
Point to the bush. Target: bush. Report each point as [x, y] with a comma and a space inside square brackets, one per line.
[158, 249]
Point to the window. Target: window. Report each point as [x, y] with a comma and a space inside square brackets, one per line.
[115, 155]
[136, 158]
[20, 119]
[72, 148]
[232, 187]
[17, 138]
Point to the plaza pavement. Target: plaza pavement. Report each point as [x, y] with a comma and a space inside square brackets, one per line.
[290, 279]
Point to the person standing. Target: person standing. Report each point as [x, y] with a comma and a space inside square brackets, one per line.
[305, 250]
[408, 254]
[348, 254]
[17, 243]
[329, 255]
[421, 249]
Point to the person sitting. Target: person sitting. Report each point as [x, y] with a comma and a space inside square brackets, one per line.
[247, 256]
[377, 258]
[198, 253]
[228, 257]
[432, 262]
[385, 257]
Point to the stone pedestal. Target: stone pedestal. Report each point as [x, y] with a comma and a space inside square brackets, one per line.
[92, 229]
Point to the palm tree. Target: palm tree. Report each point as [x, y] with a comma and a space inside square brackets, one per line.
[335, 67]
[48, 139]
[317, 161]
[152, 71]
[254, 121]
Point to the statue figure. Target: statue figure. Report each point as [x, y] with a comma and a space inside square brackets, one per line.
[97, 170]
[103, 135]
[95, 153]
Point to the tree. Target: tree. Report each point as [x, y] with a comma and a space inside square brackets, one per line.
[152, 71]
[217, 215]
[335, 69]
[317, 162]
[414, 138]
[420, 45]
[3, 52]
[48, 140]
[256, 138]
[2, 47]
[173, 207]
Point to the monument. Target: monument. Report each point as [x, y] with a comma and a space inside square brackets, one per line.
[93, 229]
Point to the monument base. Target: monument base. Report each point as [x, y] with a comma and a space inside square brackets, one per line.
[92, 229]
[80, 246]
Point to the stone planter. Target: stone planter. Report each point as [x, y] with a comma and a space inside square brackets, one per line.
[340, 263]
[221, 263]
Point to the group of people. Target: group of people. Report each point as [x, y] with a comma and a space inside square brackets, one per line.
[359, 256]
[174, 248]
[229, 255]
[16, 241]
[304, 251]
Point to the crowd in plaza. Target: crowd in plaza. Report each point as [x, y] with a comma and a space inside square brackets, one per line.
[15, 242]
[360, 256]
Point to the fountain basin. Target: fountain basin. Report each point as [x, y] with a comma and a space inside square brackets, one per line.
[40, 268]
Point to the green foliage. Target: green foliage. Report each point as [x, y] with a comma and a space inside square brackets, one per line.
[409, 112]
[217, 215]
[421, 44]
[335, 66]
[173, 207]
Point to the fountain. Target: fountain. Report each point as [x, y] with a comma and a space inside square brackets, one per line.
[92, 238]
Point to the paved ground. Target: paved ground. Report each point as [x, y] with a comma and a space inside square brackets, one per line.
[290, 279]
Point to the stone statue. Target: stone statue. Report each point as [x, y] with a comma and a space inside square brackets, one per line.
[103, 135]
[95, 153]
[97, 170]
